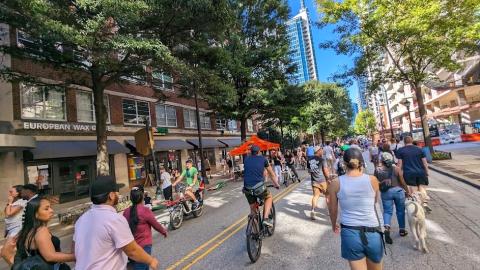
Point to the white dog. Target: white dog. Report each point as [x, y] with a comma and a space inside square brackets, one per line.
[416, 219]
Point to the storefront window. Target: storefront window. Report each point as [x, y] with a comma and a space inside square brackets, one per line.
[171, 160]
[86, 108]
[40, 175]
[135, 112]
[43, 102]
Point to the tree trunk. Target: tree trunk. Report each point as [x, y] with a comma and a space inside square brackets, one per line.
[281, 136]
[423, 117]
[322, 135]
[103, 167]
[243, 129]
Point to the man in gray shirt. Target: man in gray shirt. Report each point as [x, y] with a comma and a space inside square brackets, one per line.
[319, 173]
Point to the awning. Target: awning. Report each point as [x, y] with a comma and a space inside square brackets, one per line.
[206, 143]
[231, 142]
[10, 142]
[63, 149]
[165, 145]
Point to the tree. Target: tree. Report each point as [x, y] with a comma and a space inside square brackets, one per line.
[281, 107]
[365, 123]
[92, 43]
[329, 110]
[256, 57]
[96, 43]
[419, 37]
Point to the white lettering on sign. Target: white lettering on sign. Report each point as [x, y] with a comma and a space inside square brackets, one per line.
[56, 126]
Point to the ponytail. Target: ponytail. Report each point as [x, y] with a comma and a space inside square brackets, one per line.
[354, 164]
[136, 197]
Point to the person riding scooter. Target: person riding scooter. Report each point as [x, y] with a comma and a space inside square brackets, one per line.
[190, 174]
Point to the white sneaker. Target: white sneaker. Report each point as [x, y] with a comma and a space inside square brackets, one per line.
[312, 215]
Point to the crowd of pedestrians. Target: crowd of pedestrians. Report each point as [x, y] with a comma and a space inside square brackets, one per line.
[400, 168]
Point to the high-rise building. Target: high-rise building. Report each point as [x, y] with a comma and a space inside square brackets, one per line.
[362, 93]
[355, 111]
[302, 51]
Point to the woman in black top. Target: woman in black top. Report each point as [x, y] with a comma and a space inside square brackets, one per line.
[36, 239]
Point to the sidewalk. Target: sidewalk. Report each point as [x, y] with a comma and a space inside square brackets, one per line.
[61, 230]
[464, 165]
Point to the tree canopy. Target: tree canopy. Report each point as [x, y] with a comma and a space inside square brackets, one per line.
[256, 57]
[97, 43]
[417, 37]
[365, 123]
[329, 110]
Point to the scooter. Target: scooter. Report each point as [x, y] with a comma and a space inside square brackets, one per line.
[182, 206]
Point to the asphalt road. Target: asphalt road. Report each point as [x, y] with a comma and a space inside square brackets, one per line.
[217, 239]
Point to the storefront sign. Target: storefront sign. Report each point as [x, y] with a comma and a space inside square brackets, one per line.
[162, 131]
[60, 126]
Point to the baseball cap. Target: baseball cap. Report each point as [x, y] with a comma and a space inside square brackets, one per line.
[387, 158]
[345, 147]
[254, 148]
[317, 148]
[104, 184]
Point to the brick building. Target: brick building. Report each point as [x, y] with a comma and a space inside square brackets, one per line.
[47, 133]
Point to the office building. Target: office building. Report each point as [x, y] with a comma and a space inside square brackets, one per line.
[302, 51]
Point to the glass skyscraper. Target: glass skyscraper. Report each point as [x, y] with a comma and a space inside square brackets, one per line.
[302, 51]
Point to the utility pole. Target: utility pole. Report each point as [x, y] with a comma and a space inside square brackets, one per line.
[199, 130]
[388, 111]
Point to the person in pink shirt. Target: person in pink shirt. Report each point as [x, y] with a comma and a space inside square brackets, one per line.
[141, 220]
[102, 237]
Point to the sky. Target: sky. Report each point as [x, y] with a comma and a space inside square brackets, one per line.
[328, 62]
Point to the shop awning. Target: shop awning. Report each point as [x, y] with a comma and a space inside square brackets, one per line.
[231, 142]
[63, 149]
[11, 142]
[206, 143]
[165, 145]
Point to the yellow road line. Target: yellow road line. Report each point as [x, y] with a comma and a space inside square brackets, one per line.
[212, 248]
[198, 249]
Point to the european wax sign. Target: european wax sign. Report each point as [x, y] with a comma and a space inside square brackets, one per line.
[60, 126]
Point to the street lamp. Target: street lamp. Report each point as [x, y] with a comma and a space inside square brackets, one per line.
[407, 103]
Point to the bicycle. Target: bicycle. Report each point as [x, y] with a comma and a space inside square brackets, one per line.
[256, 231]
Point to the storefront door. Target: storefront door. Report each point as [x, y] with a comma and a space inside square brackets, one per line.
[64, 180]
[84, 170]
[72, 178]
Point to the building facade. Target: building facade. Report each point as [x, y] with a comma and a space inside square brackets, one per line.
[47, 133]
[452, 102]
[301, 46]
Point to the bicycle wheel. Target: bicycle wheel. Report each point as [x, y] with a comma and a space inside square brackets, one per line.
[254, 240]
[271, 230]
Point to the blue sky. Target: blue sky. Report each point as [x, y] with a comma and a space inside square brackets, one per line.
[328, 62]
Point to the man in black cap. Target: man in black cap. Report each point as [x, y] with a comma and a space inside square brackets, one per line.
[102, 238]
[254, 182]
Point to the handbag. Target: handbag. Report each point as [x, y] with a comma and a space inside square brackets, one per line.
[31, 262]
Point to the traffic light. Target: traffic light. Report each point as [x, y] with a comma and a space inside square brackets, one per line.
[143, 141]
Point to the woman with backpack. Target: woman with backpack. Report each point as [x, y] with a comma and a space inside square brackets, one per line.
[393, 189]
[37, 248]
[141, 220]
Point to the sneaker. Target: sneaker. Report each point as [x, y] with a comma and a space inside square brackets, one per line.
[195, 205]
[268, 222]
[312, 215]
[388, 239]
[403, 232]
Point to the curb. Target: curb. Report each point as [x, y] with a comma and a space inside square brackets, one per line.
[446, 173]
